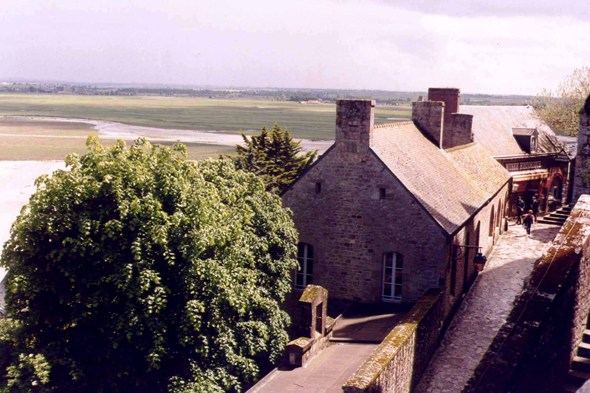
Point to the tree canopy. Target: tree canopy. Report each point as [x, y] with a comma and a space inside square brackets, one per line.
[138, 271]
[560, 108]
[275, 157]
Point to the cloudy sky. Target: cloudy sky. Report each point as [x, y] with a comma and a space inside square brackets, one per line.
[480, 46]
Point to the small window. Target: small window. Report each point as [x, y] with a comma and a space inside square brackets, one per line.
[391, 287]
[382, 193]
[304, 273]
[318, 188]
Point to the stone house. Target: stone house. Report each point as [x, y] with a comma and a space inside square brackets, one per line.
[387, 212]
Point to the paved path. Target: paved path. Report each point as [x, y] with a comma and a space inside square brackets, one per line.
[355, 337]
[326, 373]
[367, 323]
[485, 309]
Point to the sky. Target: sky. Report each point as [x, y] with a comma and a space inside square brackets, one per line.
[489, 47]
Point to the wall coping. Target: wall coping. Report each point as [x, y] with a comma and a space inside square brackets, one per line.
[375, 364]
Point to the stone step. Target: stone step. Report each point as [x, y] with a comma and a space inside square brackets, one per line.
[555, 217]
[570, 389]
[577, 378]
[551, 222]
[560, 215]
[584, 350]
[581, 364]
[586, 336]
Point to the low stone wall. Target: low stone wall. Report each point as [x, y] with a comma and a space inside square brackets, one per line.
[533, 350]
[399, 361]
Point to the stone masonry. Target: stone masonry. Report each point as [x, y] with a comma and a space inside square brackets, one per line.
[352, 209]
[350, 226]
[583, 154]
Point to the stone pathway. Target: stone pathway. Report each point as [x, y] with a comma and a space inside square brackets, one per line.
[326, 373]
[485, 308]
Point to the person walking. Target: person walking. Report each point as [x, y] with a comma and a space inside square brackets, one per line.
[535, 208]
[519, 210]
[528, 222]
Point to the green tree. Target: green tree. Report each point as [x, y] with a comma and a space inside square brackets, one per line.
[560, 108]
[138, 271]
[276, 157]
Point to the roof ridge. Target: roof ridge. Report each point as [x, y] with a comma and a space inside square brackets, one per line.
[388, 125]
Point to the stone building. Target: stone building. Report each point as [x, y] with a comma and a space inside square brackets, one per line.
[528, 149]
[387, 212]
[582, 172]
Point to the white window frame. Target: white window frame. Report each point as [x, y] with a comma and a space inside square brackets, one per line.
[304, 267]
[396, 288]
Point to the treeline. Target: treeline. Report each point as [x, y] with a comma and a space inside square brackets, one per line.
[382, 97]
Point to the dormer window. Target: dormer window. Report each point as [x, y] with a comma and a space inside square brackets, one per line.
[527, 139]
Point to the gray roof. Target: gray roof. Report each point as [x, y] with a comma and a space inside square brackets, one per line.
[450, 184]
[492, 128]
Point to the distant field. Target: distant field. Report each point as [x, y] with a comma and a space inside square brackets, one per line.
[40, 127]
[39, 149]
[303, 120]
[71, 138]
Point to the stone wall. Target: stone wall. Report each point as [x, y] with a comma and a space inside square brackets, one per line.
[533, 350]
[351, 226]
[400, 360]
[583, 154]
[450, 96]
[477, 230]
[460, 131]
[428, 117]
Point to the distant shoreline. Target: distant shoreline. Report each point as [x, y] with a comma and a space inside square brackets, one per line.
[118, 130]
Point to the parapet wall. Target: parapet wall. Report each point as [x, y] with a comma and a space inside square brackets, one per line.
[399, 361]
[533, 349]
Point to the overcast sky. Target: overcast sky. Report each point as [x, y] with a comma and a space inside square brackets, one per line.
[493, 46]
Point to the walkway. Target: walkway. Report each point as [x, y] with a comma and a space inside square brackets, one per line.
[485, 309]
[326, 373]
[355, 337]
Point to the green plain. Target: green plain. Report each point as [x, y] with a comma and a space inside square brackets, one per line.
[25, 148]
[311, 121]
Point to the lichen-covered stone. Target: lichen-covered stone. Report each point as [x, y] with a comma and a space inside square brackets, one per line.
[399, 361]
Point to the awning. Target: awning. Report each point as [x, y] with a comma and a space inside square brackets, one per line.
[530, 175]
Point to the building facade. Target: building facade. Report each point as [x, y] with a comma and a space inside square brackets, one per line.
[392, 210]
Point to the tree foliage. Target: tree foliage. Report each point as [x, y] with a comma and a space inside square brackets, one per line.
[560, 108]
[275, 157]
[138, 271]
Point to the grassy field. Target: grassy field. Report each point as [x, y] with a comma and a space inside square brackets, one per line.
[40, 127]
[303, 120]
[22, 145]
[38, 149]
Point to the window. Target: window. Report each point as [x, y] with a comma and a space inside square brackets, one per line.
[382, 193]
[318, 188]
[304, 273]
[391, 288]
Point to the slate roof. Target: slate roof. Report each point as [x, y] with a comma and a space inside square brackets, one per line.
[492, 129]
[451, 185]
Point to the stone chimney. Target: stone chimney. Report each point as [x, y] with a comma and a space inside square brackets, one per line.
[439, 120]
[459, 132]
[448, 95]
[428, 117]
[354, 125]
